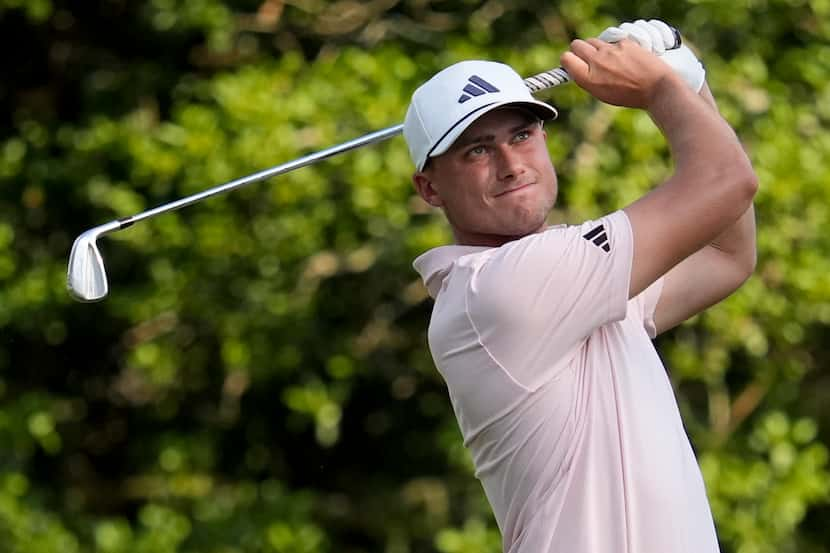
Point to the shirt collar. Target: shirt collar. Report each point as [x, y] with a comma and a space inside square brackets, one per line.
[435, 265]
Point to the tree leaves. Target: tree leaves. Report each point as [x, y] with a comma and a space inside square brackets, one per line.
[258, 379]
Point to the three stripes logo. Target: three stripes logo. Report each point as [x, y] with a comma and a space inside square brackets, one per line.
[476, 86]
[598, 236]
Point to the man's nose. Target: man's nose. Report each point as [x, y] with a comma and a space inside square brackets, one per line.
[509, 162]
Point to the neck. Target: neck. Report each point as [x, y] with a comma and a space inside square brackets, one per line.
[490, 240]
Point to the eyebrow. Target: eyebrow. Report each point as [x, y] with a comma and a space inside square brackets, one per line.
[462, 141]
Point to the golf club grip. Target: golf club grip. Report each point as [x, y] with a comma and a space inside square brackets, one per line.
[547, 79]
[558, 76]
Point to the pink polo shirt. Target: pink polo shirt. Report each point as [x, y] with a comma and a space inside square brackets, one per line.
[561, 397]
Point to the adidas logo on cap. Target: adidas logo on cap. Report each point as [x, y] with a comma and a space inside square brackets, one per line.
[476, 86]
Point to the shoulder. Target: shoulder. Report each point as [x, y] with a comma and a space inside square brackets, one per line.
[558, 247]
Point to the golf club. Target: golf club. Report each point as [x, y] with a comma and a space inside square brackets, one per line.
[86, 274]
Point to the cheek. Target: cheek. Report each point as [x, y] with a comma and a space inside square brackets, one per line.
[547, 170]
[469, 186]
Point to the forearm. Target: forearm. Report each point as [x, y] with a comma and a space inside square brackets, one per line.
[710, 190]
[713, 182]
[711, 167]
[738, 240]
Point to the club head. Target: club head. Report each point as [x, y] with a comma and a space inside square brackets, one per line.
[86, 276]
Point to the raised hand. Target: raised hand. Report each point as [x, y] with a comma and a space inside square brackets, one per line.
[658, 37]
[620, 73]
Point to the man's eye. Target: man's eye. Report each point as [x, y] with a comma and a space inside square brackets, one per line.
[522, 135]
[476, 151]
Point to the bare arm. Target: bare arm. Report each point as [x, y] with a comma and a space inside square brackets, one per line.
[711, 273]
[713, 182]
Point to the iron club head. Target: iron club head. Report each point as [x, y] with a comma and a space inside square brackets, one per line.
[86, 276]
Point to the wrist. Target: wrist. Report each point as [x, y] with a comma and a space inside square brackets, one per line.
[668, 96]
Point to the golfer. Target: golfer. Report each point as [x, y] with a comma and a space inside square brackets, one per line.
[543, 333]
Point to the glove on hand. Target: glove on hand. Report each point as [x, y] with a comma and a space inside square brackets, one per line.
[656, 36]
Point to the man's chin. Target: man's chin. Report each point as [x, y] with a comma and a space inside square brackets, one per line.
[529, 223]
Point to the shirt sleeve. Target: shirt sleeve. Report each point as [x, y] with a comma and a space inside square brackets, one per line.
[647, 303]
[536, 299]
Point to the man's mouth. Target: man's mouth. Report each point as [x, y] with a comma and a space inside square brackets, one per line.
[513, 189]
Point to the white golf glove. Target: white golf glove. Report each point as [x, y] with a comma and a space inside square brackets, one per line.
[658, 37]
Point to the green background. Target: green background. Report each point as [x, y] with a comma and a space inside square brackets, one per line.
[258, 379]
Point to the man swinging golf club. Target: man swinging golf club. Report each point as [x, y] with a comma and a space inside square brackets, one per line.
[543, 334]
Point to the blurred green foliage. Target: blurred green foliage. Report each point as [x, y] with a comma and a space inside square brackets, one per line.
[258, 379]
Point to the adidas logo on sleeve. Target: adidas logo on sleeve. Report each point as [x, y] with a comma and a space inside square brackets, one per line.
[598, 236]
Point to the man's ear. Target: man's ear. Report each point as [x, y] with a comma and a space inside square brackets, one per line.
[425, 189]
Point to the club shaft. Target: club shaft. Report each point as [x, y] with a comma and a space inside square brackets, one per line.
[310, 159]
[541, 81]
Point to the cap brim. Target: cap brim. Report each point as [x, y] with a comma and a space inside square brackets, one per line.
[540, 109]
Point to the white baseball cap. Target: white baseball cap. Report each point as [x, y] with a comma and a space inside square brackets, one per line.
[444, 106]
